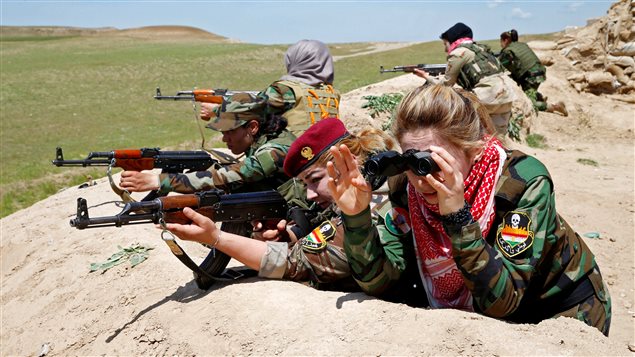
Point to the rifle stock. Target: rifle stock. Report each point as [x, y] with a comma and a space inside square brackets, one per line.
[215, 204]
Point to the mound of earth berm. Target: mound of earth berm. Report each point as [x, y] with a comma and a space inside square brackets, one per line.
[53, 305]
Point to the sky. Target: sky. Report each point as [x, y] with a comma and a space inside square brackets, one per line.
[331, 21]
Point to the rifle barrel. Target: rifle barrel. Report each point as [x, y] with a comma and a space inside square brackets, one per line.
[83, 163]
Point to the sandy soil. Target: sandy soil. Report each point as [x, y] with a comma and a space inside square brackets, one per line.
[52, 305]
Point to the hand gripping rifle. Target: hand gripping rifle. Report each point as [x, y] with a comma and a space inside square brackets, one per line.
[141, 159]
[215, 204]
[432, 69]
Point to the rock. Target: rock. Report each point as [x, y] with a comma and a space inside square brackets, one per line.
[628, 49]
[618, 72]
[545, 59]
[542, 45]
[576, 77]
[600, 82]
[622, 61]
[625, 35]
[578, 86]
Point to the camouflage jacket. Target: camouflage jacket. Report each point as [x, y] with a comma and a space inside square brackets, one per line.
[280, 98]
[317, 258]
[526, 280]
[261, 169]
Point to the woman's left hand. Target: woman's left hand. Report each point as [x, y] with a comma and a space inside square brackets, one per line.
[421, 73]
[202, 229]
[450, 188]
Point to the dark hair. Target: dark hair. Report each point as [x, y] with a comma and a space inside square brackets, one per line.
[271, 126]
[510, 35]
[459, 30]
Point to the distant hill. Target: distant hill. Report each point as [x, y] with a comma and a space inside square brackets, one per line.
[148, 32]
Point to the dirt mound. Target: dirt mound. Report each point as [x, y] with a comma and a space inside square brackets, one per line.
[601, 54]
[171, 33]
[53, 31]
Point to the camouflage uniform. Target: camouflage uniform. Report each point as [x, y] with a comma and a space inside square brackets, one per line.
[526, 70]
[318, 257]
[475, 68]
[262, 167]
[551, 273]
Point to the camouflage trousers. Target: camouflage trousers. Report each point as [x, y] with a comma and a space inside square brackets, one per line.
[596, 309]
[530, 87]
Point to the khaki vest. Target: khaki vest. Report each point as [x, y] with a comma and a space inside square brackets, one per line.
[484, 64]
[311, 105]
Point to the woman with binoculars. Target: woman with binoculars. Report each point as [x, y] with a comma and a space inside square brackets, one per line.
[482, 230]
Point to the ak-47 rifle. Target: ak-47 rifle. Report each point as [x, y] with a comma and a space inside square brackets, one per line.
[216, 96]
[215, 204]
[240, 208]
[141, 159]
[432, 69]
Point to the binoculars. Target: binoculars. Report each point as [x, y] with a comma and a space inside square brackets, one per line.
[390, 163]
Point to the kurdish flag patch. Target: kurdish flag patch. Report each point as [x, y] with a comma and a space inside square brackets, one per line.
[514, 237]
[397, 221]
[317, 239]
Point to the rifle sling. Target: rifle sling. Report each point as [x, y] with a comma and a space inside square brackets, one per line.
[124, 194]
[178, 252]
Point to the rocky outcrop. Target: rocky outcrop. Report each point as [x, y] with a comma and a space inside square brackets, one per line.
[602, 53]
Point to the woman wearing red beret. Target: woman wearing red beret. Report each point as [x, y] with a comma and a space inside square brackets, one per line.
[317, 257]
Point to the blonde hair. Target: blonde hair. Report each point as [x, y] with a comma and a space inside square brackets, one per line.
[453, 114]
[362, 145]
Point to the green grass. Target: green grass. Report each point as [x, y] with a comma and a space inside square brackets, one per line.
[589, 162]
[32, 38]
[536, 141]
[88, 93]
[95, 94]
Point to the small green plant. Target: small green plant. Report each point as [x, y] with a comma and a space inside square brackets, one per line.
[384, 103]
[136, 254]
[536, 141]
[588, 162]
[513, 127]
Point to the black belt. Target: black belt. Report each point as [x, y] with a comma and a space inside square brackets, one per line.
[580, 293]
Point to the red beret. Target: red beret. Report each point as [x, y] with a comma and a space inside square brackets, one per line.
[306, 149]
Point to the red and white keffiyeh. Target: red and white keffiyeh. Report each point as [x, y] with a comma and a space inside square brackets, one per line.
[458, 42]
[441, 277]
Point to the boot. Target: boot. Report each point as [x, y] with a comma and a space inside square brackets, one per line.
[558, 107]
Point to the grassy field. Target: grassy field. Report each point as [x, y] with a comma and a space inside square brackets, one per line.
[95, 94]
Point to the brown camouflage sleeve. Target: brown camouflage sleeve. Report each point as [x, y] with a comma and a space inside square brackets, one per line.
[317, 257]
[280, 98]
[321, 262]
[252, 169]
[456, 60]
